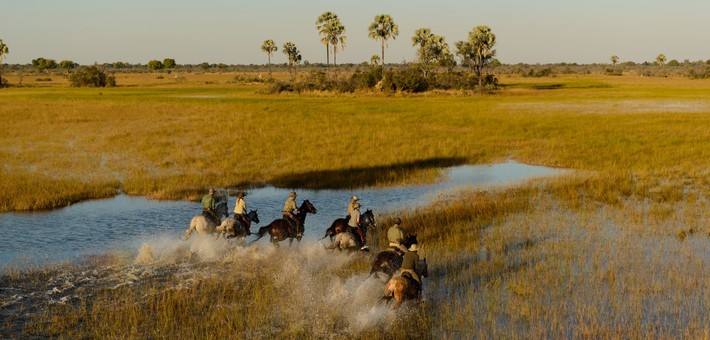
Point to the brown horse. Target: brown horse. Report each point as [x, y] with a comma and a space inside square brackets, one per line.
[280, 229]
[389, 261]
[367, 220]
[401, 288]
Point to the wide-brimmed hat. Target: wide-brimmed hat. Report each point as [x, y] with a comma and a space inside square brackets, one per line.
[292, 194]
[211, 191]
[413, 247]
[355, 198]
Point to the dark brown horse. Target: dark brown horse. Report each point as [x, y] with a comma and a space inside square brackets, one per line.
[401, 288]
[281, 229]
[389, 261]
[367, 220]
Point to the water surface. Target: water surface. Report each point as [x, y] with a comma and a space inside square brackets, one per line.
[123, 223]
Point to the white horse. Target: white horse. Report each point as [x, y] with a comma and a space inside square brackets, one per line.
[203, 225]
[231, 228]
[346, 241]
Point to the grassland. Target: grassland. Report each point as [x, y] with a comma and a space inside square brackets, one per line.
[618, 250]
[174, 140]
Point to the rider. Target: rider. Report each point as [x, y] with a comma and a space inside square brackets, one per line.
[354, 223]
[351, 205]
[208, 206]
[240, 210]
[289, 207]
[410, 263]
[395, 235]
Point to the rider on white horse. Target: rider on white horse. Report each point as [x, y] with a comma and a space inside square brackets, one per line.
[208, 207]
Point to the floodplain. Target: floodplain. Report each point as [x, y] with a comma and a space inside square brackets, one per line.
[620, 248]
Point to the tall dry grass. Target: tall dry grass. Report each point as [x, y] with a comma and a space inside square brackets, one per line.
[172, 141]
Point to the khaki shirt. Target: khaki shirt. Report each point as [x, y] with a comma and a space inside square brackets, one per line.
[351, 207]
[241, 207]
[354, 218]
[395, 234]
[290, 205]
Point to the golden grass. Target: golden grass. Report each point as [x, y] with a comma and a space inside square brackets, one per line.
[617, 250]
[171, 141]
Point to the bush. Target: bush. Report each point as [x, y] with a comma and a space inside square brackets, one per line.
[407, 80]
[91, 76]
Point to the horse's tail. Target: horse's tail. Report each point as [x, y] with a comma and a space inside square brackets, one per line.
[261, 233]
[389, 293]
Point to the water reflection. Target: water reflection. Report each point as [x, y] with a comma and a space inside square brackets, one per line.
[123, 223]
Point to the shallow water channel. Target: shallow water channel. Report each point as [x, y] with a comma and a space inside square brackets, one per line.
[123, 223]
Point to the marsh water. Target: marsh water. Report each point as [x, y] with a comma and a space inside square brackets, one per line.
[123, 223]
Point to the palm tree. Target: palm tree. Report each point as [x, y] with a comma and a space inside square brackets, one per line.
[478, 51]
[269, 47]
[336, 37]
[661, 59]
[383, 28]
[433, 49]
[3, 51]
[322, 24]
[375, 60]
[294, 56]
[614, 59]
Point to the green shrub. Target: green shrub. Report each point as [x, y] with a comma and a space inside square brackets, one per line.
[91, 76]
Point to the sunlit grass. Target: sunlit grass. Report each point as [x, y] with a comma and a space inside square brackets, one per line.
[618, 249]
[173, 141]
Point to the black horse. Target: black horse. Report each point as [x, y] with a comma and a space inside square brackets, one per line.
[281, 229]
[389, 261]
[367, 220]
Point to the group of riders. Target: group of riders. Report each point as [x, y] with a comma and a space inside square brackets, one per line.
[395, 234]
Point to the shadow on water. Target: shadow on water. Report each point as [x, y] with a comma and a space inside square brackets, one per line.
[362, 177]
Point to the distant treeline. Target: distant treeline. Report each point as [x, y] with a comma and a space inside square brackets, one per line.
[691, 69]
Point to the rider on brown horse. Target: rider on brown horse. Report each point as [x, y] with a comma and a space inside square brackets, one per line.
[289, 207]
[395, 235]
[410, 264]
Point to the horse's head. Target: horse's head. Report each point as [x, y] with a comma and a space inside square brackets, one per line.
[253, 216]
[423, 268]
[409, 240]
[308, 207]
[367, 219]
[221, 209]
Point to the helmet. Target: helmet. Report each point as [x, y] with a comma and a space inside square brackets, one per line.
[413, 247]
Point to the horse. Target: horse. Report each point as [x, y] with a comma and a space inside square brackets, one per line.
[237, 228]
[202, 224]
[389, 261]
[367, 220]
[280, 229]
[401, 288]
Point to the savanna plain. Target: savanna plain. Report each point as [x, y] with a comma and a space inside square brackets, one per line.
[617, 247]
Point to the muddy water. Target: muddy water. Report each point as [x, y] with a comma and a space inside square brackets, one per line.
[123, 223]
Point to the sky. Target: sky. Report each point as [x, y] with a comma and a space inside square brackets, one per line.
[232, 31]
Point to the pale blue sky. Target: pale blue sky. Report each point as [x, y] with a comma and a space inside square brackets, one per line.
[231, 32]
